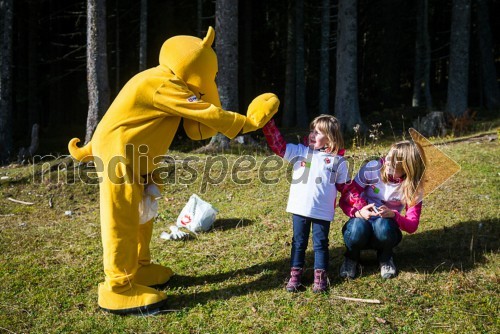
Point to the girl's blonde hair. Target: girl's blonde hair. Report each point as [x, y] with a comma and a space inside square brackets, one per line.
[412, 159]
[330, 126]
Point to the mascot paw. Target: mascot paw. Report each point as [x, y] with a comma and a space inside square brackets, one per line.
[260, 111]
[138, 299]
[153, 275]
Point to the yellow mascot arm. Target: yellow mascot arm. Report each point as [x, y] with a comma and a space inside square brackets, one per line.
[260, 111]
[197, 131]
[177, 100]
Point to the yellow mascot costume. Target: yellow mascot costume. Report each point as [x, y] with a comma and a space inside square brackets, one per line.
[139, 126]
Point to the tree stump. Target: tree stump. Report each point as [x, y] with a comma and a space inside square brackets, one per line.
[431, 125]
[26, 153]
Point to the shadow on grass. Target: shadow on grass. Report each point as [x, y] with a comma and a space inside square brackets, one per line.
[459, 246]
[230, 223]
[268, 276]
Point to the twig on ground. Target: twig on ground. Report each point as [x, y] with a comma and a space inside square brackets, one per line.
[168, 311]
[475, 314]
[5, 329]
[439, 325]
[18, 201]
[370, 301]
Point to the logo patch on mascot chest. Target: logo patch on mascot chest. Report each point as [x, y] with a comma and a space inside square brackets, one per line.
[192, 98]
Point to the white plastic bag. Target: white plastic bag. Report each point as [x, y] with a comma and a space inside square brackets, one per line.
[197, 215]
[148, 207]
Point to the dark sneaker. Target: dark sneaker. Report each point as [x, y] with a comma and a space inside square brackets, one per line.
[348, 268]
[387, 269]
[294, 284]
[320, 281]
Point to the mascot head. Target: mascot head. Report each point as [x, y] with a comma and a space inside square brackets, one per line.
[194, 61]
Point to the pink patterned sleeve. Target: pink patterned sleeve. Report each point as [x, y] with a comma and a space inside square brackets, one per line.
[275, 140]
[350, 199]
[409, 222]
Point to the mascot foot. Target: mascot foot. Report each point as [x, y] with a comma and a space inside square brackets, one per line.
[138, 299]
[153, 275]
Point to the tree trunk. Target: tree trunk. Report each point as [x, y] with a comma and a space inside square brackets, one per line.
[33, 82]
[300, 79]
[248, 76]
[427, 56]
[199, 18]
[6, 16]
[289, 118]
[217, 143]
[226, 45]
[97, 68]
[421, 82]
[117, 49]
[458, 73]
[324, 66]
[55, 70]
[488, 70]
[143, 42]
[346, 92]
[389, 73]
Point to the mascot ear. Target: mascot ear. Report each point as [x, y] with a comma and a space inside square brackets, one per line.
[209, 38]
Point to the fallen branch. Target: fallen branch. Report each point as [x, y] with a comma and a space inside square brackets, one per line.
[5, 329]
[18, 201]
[370, 301]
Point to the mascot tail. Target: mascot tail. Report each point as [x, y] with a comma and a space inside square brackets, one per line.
[83, 154]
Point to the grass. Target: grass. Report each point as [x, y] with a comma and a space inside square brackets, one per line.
[231, 279]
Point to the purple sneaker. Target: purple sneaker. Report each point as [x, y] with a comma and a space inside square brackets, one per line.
[320, 281]
[294, 284]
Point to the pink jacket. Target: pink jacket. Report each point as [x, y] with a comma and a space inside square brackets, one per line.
[351, 201]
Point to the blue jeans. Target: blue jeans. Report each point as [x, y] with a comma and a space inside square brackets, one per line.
[381, 234]
[301, 229]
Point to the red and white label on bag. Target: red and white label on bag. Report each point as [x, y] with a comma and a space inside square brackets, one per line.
[186, 220]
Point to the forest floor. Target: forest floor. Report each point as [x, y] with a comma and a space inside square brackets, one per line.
[231, 279]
